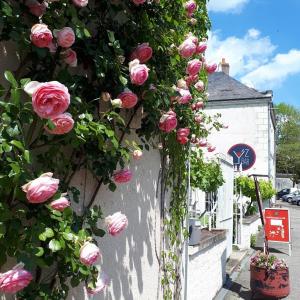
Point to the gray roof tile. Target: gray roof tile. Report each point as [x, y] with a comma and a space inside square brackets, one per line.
[223, 87]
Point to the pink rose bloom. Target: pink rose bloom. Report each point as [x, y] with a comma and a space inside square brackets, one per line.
[50, 99]
[41, 36]
[65, 37]
[187, 48]
[101, 285]
[198, 119]
[193, 67]
[191, 79]
[142, 52]
[36, 8]
[63, 124]
[60, 204]
[168, 121]
[201, 47]
[211, 68]
[116, 223]
[80, 3]
[138, 2]
[137, 154]
[89, 254]
[52, 47]
[70, 57]
[128, 98]
[122, 176]
[41, 189]
[182, 135]
[190, 7]
[210, 148]
[185, 96]
[14, 280]
[199, 86]
[200, 105]
[181, 84]
[138, 72]
[202, 143]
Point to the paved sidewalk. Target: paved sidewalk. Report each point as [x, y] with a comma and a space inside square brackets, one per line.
[240, 287]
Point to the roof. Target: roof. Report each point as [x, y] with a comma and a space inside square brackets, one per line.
[222, 87]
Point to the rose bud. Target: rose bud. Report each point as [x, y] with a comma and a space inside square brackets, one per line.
[138, 72]
[128, 99]
[185, 96]
[41, 36]
[199, 86]
[210, 148]
[200, 105]
[70, 57]
[80, 3]
[190, 7]
[187, 48]
[168, 121]
[201, 47]
[211, 68]
[122, 176]
[137, 154]
[41, 189]
[89, 253]
[198, 119]
[193, 67]
[116, 223]
[65, 37]
[202, 143]
[116, 103]
[60, 204]
[142, 52]
[63, 124]
[181, 84]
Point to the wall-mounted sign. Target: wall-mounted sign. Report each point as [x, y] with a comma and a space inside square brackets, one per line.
[277, 225]
[243, 155]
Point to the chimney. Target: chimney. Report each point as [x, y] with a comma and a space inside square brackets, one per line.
[225, 66]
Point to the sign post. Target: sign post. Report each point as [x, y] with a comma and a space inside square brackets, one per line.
[277, 226]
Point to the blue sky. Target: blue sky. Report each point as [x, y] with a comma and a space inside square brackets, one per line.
[261, 41]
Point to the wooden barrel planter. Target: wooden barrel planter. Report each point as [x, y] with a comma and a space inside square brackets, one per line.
[270, 283]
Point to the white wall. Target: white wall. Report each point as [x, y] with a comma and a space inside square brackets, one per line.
[248, 123]
[206, 271]
[130, 259]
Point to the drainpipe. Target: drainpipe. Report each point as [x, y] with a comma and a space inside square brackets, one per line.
[186, 248]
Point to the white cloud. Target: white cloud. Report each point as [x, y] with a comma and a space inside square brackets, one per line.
[231, 6]
[275, 71]
[243, 54]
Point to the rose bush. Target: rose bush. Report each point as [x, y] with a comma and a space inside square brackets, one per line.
[125, 55]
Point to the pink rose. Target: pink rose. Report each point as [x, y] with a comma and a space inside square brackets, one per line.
[193, 67]
[128, 98]
[137, 154]
[202, 143]
[182, 135]
[138, 72]
[201, 47]
[41, 36]
[65, 37]
[211, 68]
[122, 176]
[168, 121]
[80, 3]
[116, 223]
[89, 253]
[138, 2]
[52, 47]
[41, 189]
[210, 148]
[191, 79]
[190, 7]
[181, 84]
[50, 99]
[101, 285]
[199, 86]
[63, 124]
[200, 105]
[185, 96]
[187, 48]
[142, 52]
[36, 8]
[60, 204]
[70, 57]
[14, 280]
[198, 119]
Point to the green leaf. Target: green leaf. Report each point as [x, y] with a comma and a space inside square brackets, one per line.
[54, 245]
[48, 233]
[112, 187]
[26, 156]
[11, 79]
[111, 36]
[17, 144]
[86, 33]
[39, 251]
[68, 236]
[123, 80]
[24, 81]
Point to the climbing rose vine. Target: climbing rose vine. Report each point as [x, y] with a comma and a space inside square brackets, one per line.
[86, 70]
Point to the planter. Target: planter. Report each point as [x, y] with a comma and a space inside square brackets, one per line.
[270, 283]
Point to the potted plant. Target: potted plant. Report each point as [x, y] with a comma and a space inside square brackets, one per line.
[269, 276]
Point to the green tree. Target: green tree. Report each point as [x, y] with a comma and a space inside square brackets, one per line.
[288, 140]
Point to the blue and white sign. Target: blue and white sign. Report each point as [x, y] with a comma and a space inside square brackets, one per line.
[243, 156]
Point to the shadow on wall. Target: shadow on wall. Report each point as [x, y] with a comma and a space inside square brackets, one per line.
[130, 259]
